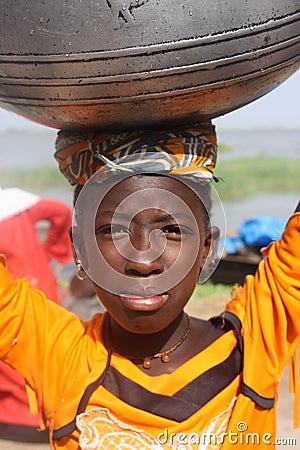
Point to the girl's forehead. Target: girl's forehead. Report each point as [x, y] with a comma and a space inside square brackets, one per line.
[139, 192]
[150, 184]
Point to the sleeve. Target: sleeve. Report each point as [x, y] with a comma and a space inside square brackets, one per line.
[269, 303]
[38, 338]
[58, 243]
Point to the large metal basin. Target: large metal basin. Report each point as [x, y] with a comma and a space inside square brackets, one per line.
[137, 63]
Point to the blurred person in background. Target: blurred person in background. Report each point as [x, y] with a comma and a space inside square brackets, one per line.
[34, 236]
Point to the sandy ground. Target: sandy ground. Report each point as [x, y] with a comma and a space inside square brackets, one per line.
[285, 429]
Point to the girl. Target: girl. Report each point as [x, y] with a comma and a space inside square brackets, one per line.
[145, 375]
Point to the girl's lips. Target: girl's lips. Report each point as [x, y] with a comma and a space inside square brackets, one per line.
[150, 303]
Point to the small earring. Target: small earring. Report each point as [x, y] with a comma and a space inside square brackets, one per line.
[79, 271]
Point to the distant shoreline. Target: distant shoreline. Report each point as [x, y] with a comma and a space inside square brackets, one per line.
[231, 129]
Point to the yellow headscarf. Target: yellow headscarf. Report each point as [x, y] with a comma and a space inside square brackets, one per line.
[189, 151]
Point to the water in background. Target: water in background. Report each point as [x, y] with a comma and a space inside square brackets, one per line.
[35, 149]
[27, 149]
[251, 143]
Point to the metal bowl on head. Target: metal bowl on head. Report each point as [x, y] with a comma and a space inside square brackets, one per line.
[120, 64]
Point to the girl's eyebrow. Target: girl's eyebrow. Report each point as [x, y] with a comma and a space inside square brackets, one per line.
[111, 214]
[162, 217]
[175, 217]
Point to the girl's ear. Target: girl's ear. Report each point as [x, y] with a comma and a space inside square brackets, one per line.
[72, 242]
[78, 247]
[210, 257]
[211, 245]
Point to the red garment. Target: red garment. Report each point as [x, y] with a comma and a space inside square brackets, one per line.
[13, 399]
[28, 258]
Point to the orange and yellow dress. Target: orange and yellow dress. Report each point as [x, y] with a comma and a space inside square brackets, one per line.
[224, 397]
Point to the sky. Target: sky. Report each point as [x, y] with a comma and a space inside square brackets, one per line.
[277, 109]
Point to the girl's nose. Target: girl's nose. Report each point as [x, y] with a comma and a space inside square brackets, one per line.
[143, 269]
[144, 257]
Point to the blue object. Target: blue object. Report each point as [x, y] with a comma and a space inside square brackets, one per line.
[233, 244]
[260, 231]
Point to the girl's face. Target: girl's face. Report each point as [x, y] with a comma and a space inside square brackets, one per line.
[147, 235]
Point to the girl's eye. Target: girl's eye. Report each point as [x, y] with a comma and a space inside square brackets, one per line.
[112, 230]
[175, 231]
[172, 229]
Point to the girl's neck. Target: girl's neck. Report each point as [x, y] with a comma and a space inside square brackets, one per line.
[140, 346]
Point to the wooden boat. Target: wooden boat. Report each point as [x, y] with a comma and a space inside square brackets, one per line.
[232, 269]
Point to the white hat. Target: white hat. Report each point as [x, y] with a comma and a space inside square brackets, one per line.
[14, 201]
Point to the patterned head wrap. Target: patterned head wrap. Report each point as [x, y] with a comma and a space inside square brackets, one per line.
[189, 151]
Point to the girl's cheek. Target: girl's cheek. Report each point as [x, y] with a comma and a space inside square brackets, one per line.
[170, 255]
